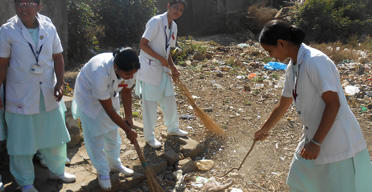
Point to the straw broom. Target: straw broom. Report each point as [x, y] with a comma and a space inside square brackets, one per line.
[204, 117]
[150, 174]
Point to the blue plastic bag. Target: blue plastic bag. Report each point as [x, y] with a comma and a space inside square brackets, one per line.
[275, 66]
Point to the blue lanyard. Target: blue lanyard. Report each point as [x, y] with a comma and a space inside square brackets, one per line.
[37, 53]
[296, 75]
[167, 40]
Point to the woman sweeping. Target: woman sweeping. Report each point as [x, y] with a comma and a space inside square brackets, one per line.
[332, 155]
[96, 102]
[153, 82]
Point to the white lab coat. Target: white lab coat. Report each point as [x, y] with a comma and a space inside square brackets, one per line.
[318, 74]
[157, 32]
[23, 87]
[97, 80]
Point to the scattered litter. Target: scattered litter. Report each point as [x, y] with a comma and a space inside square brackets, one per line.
[213, 186]
[243, 45]
[236, 190]
[187, 116]
[351, 90]
[275, 66]
[363, 109]
[195, 97]
[252, 75]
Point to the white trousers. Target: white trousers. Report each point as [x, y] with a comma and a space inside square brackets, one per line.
[103, 150]
[169, 107]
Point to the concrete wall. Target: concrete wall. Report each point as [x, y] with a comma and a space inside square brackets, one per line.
[207, 16]
[54, 9]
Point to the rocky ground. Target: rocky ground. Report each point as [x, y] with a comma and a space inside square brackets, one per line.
[229, 81]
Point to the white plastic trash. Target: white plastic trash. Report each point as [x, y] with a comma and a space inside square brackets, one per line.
[351, 90]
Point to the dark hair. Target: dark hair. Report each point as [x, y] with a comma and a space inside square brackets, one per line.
[279, 29]
[172, 2]
[126, 59]
[36, 1]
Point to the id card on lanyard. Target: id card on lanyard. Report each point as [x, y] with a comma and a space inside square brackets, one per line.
[36, 69]
[296, 75]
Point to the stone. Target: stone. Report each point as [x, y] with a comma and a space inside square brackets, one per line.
[198, 56]
[191, 148]
[186, 165]
[204, 164]
[171, 156]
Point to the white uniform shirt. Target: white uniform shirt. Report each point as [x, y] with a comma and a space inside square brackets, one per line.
[161, 39]
[318, 74]
[23, 87]
[97, 80]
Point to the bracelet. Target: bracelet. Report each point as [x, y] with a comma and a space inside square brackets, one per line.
[316, 143]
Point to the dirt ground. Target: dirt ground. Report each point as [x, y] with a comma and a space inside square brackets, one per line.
[240, 103]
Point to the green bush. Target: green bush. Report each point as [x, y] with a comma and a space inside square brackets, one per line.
[333, 20]
[96, 25]
[124, 20]
[82, 30]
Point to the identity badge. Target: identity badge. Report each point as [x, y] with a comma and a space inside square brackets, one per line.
[37, 69]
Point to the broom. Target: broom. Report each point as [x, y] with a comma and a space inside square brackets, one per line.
[204, 117]
[150, 174]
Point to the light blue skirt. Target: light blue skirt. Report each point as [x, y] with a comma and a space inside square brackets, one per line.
[350, 175]
[28, 133]
[155, 93]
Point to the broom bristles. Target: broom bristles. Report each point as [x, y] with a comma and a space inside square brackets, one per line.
[204, 117]
[150, 174]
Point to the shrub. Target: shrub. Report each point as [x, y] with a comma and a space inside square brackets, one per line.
[333, 20]
[82, 30]
[96, 25]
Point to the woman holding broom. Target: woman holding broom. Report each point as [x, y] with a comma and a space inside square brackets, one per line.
[153, 81]
[96, 102]
[332, 155]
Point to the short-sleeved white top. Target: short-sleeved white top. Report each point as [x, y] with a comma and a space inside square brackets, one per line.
[23, 87]
[316, 74]
[96, 81]
[161, 39]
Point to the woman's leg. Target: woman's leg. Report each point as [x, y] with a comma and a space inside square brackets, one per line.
[22, 169]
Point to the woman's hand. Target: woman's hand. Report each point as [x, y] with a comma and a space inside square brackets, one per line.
[132, 136]
[129, 121]
[58, 91]
[175, 72]
[164, 62]
[261, 134]
[310, 151]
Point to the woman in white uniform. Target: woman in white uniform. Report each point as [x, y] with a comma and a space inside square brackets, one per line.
[153, 82]
[332, 155]
[96, 103]
[31, 53]
[2, 129]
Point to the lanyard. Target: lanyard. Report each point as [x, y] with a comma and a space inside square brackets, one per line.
[37, 53]
[296, 75]
[167, 40]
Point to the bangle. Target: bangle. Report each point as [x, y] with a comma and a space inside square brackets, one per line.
[316, 143]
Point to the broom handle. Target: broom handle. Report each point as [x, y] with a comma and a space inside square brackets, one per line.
[241, 164]
[138, 149]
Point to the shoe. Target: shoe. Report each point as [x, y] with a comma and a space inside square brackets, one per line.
[122, 169]
[68, 161]
[27, 188]
[154, 143]
[2, 187]
[179, 132]
[104, 182]
[66, 177]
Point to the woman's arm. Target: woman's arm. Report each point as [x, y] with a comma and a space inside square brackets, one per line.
[279, 110]
[115, 117]
[126, 98]
[4, 62]
[144, 45]
[59, 68]
[332, 105]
